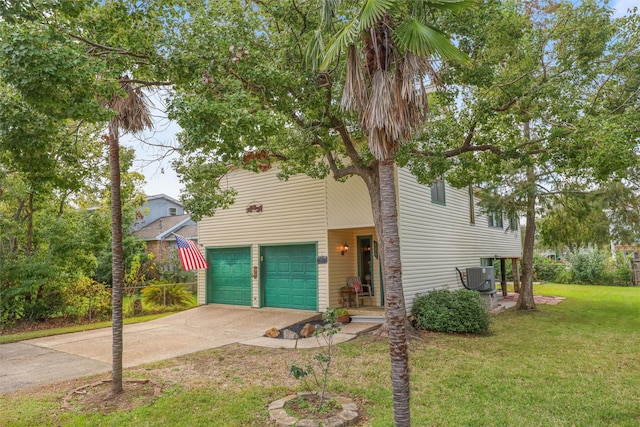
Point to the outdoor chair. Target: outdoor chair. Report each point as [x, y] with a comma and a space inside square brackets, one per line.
[362, 290]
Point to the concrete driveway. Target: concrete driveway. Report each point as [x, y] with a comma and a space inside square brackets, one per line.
[64, 357]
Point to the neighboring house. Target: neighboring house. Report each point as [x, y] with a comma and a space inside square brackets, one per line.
[292, 244]
[157, 219]
[159, 238]
[632, 251]
[157, 206]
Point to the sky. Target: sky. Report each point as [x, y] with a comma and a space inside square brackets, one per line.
[153, 158]
[154, 152]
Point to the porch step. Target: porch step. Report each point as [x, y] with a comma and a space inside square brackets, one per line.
[367, 318]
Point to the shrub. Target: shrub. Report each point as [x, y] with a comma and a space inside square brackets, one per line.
[587, 267]
[546, 270]
[564, 276]
[86, 298]
[461, 311]
[167, 295]
[618, 271]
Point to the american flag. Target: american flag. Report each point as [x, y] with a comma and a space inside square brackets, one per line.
[190, 255]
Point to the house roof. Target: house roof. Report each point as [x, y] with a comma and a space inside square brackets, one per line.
[188, 232]
[161, 228]
[163, 196]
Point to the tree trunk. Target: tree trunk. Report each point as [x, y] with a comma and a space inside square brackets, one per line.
[29, 246]
[396, 313]
[117, 268]
[516, 275]
[525, 298]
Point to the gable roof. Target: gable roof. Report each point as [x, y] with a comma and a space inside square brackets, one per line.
[161, 228]
[163, 196]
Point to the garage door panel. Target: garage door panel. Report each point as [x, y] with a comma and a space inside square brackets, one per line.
[290, 276]
[229, 276]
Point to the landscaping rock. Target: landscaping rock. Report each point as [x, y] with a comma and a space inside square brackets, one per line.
[308, 423]
[272, 333]
[308, 330]
[290, 335]
[349, 417]
[334, 422]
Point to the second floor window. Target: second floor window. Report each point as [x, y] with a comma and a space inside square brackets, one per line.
[495, 220]
[437, 191]
[513, 223]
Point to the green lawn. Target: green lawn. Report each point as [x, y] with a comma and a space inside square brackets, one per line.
[574, 364]
[154, 312]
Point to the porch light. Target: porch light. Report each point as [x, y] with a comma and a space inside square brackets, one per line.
[345, 249]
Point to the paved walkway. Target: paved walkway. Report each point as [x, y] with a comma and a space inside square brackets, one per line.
[512, 299]
[64, 357]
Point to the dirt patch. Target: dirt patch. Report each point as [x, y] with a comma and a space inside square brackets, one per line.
[98, 397]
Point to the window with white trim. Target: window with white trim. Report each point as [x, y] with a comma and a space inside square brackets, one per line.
[437, 191]
[513, 222]
[495, 220]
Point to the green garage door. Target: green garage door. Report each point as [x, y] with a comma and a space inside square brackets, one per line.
[289, 276]
[229, 276]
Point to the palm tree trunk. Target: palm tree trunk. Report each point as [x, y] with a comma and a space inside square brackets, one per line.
[117, 265]
[394, 296]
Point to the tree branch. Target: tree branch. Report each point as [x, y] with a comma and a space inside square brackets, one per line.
[119, 51]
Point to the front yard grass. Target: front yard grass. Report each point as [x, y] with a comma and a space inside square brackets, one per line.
[574, 364]
[21, 336]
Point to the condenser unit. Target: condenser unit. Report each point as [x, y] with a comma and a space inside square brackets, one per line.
[481, 279]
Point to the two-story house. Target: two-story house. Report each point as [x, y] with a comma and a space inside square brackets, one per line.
[294, 243]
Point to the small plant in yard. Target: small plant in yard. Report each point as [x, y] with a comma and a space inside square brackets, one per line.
[461, 311]
[167, 295]
[323, 359]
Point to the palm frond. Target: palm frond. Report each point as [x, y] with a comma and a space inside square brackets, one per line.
[373, 11]
[423, 40]
[132, 111]
[354, 95]
[376, 114]
[326, 17]
[315, 50]
[455, 5]
[342, 40]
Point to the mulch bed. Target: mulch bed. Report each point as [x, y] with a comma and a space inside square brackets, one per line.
[297, 327]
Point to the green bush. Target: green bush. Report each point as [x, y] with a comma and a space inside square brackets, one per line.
[587, 267]
[546, 270]
[618, 271]
[87, 299]
[176, 295]
[564, 276]
[31, 288]
[461, 311]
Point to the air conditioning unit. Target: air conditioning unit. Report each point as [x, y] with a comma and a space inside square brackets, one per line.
[481, 279]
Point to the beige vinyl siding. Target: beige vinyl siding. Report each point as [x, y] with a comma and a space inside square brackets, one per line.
[340, 266]
[343, 266]
[348, 204]
[437, 238]
[293, 211]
